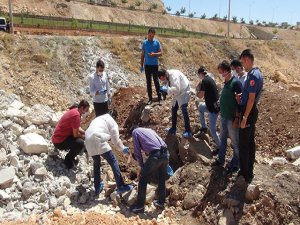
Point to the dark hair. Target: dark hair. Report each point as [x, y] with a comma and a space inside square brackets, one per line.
[202, 69]
[162, 73]
[83, 103]
[236, 63]
[247, 53]
[225, 66]
[151, 30]
[100, 63]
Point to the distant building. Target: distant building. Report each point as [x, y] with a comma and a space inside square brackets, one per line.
[298, 25]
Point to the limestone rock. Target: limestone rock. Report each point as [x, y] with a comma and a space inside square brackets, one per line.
[252, 192]
[192, 198]
[16, 104]
[6, 177]
[227, 218]
[130, 197]
[39, 114]
[297, 162]
[145, 117]
[33, 143]
[4, 196]
[16, 129]
[293, 153]
[3, 156]
[278, 161]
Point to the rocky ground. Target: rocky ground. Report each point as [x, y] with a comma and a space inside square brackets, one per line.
[51, 73]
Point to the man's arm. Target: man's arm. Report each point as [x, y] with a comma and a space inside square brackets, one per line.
[93, 90]
[156, 54]
[142, 58]
[78, 133]
[137, 149]
[249, 106]
[200, 94]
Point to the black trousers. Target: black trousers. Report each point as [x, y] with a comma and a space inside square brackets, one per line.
[76, 146]
[152, 71]
[100, 108]
[247, 145]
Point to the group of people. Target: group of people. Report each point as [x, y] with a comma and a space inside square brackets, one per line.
[237, 105]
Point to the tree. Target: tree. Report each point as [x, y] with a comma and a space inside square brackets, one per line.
[243, 21]
[215, 16]
[191, 15]
[138, 3]
[182, 10]
[234, 19]
[169, 9]
[264, 23]
[203, 16]
[154, 6]
[225, 18]
[275, 31]
[177, 13]
[251, 22]
[124, 1]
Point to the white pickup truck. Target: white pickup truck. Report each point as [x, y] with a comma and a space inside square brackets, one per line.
[3, 24]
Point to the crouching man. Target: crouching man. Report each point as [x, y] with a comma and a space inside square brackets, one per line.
[147, 140]
[101, 130]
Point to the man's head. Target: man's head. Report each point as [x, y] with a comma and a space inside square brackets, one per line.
[162, 75]
[202, 71]
[224, 70]
[100, 66]
[151, 34]
[247, 59]
[83, 107]
[237, 66]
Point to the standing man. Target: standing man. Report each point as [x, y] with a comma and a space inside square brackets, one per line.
[238, 71]
[250, 96]
[101, 130]
[151, 50]
[147, 140]
[69, 135]
[229, 116]
[100, 89]
[179, 87]
[208, 89]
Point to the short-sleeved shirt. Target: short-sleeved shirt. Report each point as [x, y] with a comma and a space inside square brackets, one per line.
[228, 103]
[211, 95]
[148, 47]
[253, 84]
[69, 121]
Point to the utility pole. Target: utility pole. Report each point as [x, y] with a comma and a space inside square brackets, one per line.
[11, 24]
[189, 7]
[228, 29]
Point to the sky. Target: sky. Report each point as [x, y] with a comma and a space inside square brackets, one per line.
[263, 10]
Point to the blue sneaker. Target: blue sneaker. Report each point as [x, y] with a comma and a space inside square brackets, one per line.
[100, 188]
[124, 188]
[187, 134]
[171, 130]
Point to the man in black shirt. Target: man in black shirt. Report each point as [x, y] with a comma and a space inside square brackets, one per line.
[208, 89]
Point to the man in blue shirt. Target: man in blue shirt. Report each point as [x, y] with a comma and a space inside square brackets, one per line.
[145, 139]
[250, 96]
[151, 50]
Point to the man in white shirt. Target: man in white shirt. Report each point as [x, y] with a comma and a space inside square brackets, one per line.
[238, 71]
[100, 89]
[101, 130]
[179, 87]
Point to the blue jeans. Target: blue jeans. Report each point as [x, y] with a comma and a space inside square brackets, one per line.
[227, 130]
[185, 116]
[156, 163]
[113, 162]
[212, 122]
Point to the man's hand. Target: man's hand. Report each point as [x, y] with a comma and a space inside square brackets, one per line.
[164, 89]
[141, 69]
[244, 122]
[125, 150]
[151, 54]
[102, 92]
[238, 97]
[97, 93]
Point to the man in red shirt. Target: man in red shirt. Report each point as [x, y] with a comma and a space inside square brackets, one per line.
[69, 135]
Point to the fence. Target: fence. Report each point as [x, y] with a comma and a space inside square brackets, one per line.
[37, 21]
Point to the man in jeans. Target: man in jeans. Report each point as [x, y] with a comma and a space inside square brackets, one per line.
[229, 116]
[151, 50]
[147, 140]
[101, 130]
[177, 86]
[208, 90]
[69, 135]
[252, 90]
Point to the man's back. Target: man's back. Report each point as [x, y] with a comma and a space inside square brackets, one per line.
[211, 95]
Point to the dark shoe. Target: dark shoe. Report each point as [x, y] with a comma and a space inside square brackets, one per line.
[171, 130]
[100, 188]
[232, 169]
[149, 102]
[203, 130]
[158, 205]
[217, 163]
[124, 188]
[69, 164]
[137, 209]
[215, 152]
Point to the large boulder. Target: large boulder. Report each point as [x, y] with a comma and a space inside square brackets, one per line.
[33, 143]
[192, 198]
[252, 192]
[39, 114]
[6, 177]
[293, 153]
